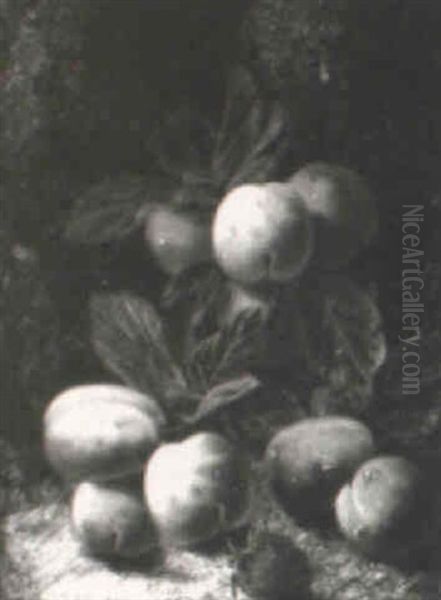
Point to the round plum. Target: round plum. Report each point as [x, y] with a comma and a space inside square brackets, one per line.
[381, 506]
[196, 489]
[262, 234]
[307, 462]
[111, 521]
[177, 239]
[100, 431]
[343, 208]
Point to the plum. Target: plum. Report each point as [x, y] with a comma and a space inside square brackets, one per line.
[380, 510]
[343, 209]
[196, 489]
[177, 238]
[111, 521]
[100, 431]
[262, 234]
[308, 461]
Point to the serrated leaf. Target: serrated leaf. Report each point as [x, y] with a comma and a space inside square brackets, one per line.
[197, 285]
[345, 342]
[357, 325]
[190, 304]
[242, 94]
[254, 414]
[208, 300]
[253, 135]
[226, 352]
[264, 157]
[226, 394]
[128, 336]
[111, 210]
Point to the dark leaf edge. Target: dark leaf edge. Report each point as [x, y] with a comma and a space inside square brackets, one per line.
[225, 394]
[226, 352]
[253, 134]
[113, 209]
[128, 337]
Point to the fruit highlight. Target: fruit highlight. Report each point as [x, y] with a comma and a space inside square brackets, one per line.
[262, 234]
[196, 489]
[101, 431]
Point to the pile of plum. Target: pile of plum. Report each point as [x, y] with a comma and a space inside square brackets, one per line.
[137, 486]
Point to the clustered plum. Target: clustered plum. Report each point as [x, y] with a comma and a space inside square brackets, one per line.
[310, 465]
[100, 438]
[268, 233]
[104, 438]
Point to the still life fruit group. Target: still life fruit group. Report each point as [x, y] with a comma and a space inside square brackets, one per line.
[249, 314]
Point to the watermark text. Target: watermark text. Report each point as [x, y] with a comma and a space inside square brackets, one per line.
[412, 305]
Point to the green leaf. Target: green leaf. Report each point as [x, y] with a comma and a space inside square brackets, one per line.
[226, 394]
[226, 352]
[195, 286]
[253, 135]
[128, 336]
[345, 343]
[113, 209]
